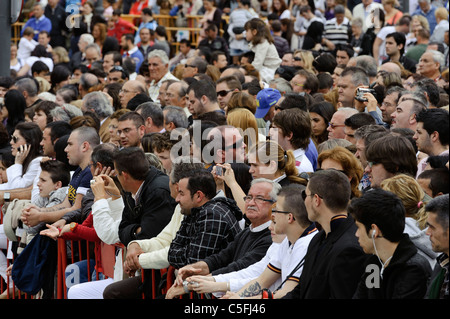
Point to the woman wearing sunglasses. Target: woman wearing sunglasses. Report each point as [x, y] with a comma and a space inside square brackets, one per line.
[25, 147]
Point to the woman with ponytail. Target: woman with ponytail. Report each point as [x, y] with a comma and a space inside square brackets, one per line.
[269, 160]
[266, 160]
[411, 194]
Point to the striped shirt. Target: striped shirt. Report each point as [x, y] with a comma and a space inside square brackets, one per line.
[337, 33]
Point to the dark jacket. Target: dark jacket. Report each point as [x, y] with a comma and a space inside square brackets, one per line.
[246, 249]
[405, 277]
[153, 211]
[333, 265]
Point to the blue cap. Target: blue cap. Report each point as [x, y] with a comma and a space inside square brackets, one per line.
[265, 99]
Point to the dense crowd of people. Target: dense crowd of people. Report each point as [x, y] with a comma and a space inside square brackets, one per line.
[289, 150]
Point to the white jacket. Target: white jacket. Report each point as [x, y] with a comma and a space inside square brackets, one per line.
[107, 215]
[157, 248]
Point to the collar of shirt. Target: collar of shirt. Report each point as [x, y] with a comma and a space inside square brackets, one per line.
[260, 227]
[138, 193]
[41, 18]
[133, 50]
[336, 221]
[278, 179]
[443, 260]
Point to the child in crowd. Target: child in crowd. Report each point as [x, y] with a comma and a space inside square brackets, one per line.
[266, 60]
[53, 186]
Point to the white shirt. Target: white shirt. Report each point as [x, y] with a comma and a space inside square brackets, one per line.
[289, 255]
[240, 278]
[302, 162]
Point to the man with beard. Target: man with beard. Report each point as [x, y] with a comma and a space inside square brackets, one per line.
[131, 50]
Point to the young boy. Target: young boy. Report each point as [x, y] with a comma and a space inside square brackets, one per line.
[53, 186]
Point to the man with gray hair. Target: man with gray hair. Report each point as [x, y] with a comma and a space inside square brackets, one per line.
[80, 56]
[39, 22]
[430, 64]
[92, 53]
[194, 66]
[29, 88]
[174, 117]
[350, 79]
[366, 62]
[176, 95]
[153, 117]
[97, 103]
[158, 66]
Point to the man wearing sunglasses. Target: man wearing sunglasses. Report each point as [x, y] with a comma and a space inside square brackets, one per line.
[334, 261]
[337, 123]
[225, 87]
[226, 146]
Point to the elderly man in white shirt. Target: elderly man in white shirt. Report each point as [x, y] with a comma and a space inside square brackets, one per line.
[158, 65]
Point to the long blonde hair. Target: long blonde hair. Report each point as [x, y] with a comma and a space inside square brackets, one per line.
[285, 160]
[244, 119]
[411, 194]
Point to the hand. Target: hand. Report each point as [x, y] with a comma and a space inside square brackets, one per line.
[228, 174]
[22, 153]
[202, 284]
[175, 291]
[132, 258]
[30, 216]
[59, 223]
[104, 187]
[51, 232]
[183, 273]
[359, 105]
[371, 103]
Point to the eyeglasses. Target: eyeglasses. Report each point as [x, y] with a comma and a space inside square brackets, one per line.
[277, 107]
[14, 139]
[236, 145]
[297, 58]
[276, 211]
[280, 211]
[189, 66]
[126, 91]
[333, 126]
[304, 195]
[258, 200]
[223, 92]
[372, 164]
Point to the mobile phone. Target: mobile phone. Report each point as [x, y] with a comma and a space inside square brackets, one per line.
[219, 170]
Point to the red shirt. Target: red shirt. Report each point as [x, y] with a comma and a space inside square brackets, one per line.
[120, 28]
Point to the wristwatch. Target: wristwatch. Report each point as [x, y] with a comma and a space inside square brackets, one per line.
[6, 196]
[73, 226]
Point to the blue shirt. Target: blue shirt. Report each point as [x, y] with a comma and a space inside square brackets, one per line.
[136, 55]
[38, 25]
[429, 15]
[312, 154]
